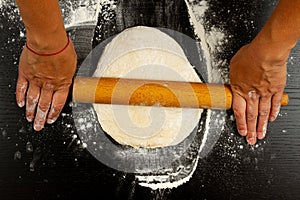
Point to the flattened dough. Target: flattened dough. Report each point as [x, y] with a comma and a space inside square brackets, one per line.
[146, 53]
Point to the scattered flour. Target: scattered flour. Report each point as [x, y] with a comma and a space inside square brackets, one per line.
[4, 2]
[210, 42]
[215, 39]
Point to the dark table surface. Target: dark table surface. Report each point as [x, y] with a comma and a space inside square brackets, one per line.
[53, 165]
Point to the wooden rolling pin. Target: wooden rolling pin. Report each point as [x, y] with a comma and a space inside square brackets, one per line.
[154, 93]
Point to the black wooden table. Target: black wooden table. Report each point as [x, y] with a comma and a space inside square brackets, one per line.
[53, 164]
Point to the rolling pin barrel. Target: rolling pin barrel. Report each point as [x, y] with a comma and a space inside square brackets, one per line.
[124, 91]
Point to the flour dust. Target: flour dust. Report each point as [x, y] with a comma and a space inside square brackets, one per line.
[35, 150]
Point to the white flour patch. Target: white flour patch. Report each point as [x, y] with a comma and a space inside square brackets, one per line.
[196, 13]
[86, 12]
[210, 39]
[146, 181]
[81, 13]
[215, 39]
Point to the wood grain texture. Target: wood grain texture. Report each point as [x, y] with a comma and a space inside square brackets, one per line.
[139, 92]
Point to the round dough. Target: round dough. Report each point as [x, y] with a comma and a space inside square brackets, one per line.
[146, 53]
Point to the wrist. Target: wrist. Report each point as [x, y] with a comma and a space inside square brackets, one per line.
[45, 43]
[272, 52]
[275, 41]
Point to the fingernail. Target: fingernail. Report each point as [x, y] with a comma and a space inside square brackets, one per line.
[29, 119]
[251, 140]
[272, 118]
[38, 127]
[243, 132]
[51, 121]
[21, 104]
[264, 134]
[261, 135]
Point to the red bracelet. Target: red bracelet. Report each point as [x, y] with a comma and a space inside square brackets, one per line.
[48, 54]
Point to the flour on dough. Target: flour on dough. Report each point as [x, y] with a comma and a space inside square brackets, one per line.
[146, 53]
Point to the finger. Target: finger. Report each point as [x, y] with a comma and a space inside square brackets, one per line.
[43, 107]
[58, 102]
[276, 104]
[21, 89]
[252, 113]
[239, 108]
[264, 112]
[32, 99]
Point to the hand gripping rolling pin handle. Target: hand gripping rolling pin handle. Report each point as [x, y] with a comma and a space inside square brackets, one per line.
[124, 91]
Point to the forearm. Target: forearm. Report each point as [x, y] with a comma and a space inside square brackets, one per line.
[45, 30]
[281, 32]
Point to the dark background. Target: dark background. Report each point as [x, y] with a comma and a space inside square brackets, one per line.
[52, 165]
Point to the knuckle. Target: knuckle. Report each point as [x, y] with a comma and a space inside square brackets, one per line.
[266, 95]
[29, 113]
[251, 133]
[276, 104]
[238, 112]
[252, 95]
[36, 81]
[241, 126]
[21, 87]
[251, 117]
[30, 108]
[41, 116]
[44, 107]
[55, 110]
[48, 86]
[264, 113]
[64, 86]
[58, 107]
[278, 88]
[31, 100]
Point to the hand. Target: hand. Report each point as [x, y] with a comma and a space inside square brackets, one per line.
[44, 83]
[257, 81]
